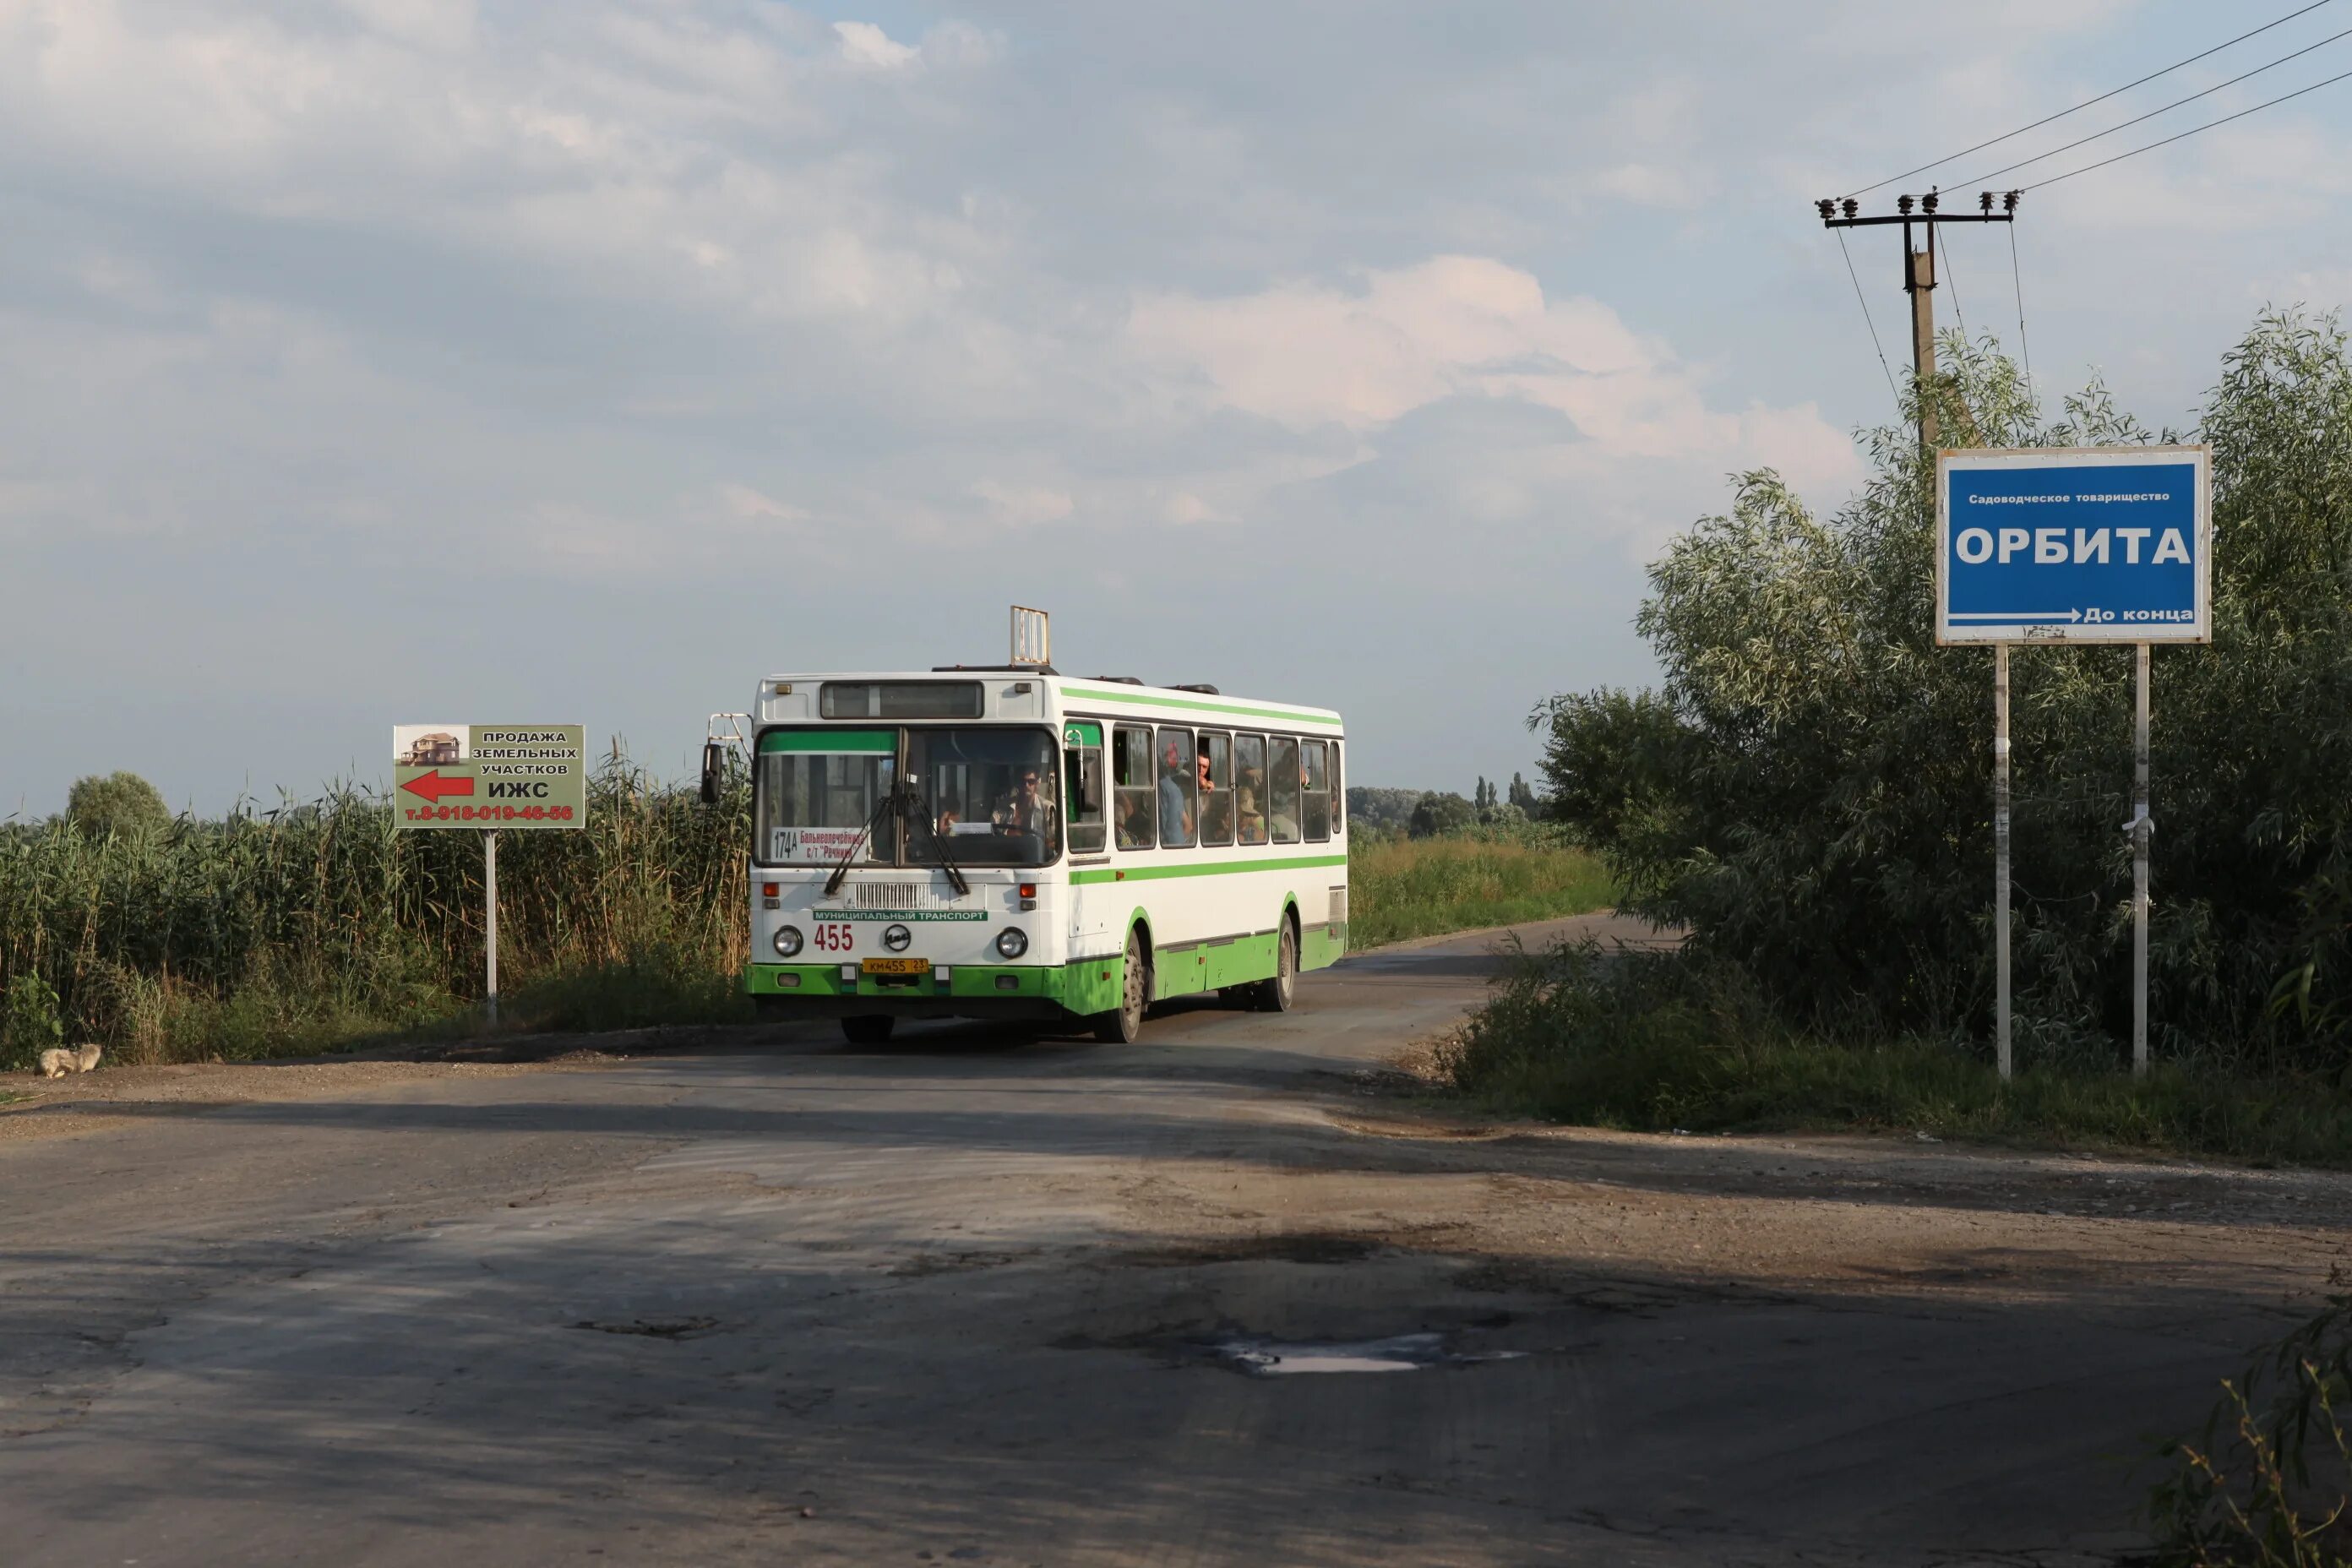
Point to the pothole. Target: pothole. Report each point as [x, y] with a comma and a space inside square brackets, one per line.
[1298, 1246]
[1398, 1352]
[653, 1328]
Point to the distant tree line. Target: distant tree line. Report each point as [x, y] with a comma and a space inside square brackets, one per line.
[1430, 813]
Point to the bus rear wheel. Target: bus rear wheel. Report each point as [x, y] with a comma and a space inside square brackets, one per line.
[1279, 993]
[1122, 1024]
[867, 1029]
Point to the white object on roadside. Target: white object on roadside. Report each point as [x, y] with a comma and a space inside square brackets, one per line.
[57, 1061]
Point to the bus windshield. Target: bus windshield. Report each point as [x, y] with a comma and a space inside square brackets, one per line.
[991, 795]
[813, 792]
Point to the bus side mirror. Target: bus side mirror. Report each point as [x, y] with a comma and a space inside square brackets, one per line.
[714, 765]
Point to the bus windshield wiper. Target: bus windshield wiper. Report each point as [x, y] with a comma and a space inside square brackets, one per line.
[947, 860]
[889, 802]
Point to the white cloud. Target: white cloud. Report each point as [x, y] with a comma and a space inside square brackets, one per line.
[863, 44]
[744, 502]
[1308, 355]
[1184, 507]
[948, 46]
[1023, 505]
[438, 25]
[1670, 186]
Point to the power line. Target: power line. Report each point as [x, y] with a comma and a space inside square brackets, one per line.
[2152, 113]
[2192, 131]
[2087, 102]
[1952, 278]
[2017, 275]
[1868, 321]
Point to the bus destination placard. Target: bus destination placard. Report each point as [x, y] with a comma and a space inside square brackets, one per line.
[489, 776]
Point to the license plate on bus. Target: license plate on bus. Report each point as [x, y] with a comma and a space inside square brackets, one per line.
[895, 966]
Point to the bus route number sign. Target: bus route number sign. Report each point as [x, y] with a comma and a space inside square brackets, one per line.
[527, 776]
[2074, 544]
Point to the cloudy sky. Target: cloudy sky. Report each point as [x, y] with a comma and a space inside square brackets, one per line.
[507, 359]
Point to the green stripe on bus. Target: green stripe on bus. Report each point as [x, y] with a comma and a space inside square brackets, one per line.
[885, 742]
[1205, 868]
[1091, 695]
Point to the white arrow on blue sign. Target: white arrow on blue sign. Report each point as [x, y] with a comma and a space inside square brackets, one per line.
[2074, 544]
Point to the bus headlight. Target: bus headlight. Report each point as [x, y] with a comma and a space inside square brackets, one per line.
[1011, 943]
[788, 940]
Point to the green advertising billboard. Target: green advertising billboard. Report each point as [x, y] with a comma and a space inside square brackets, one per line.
[489, 776]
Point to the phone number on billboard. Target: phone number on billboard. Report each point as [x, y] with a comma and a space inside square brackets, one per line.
[488, 813]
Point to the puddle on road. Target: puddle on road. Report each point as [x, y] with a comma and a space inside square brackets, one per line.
[1398, 1352]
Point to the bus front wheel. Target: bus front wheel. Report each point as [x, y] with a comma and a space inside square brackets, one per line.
[1278, 995]
[1122, 1024]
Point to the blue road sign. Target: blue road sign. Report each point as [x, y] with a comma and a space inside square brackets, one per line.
[2074, 544]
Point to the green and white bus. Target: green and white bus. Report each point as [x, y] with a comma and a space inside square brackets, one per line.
[1014, 843]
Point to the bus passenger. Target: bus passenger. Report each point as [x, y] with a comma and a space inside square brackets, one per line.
[1251, 820]
[1216, 804]
[1175, 815]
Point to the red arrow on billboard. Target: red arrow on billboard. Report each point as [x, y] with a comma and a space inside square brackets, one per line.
[433, 786]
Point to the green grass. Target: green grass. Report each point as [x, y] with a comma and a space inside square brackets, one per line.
[1652, 1043]
[1406, 887]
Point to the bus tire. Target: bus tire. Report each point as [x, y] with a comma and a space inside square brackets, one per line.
[1124, 1022]
[1280, 994]
[867, 1029]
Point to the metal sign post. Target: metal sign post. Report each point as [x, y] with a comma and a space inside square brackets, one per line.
[2073, 544]
[2001, 854]
[490, 924]
[532, 777]
[2140, 827]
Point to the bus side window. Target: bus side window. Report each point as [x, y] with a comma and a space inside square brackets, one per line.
[1339, 796]
[1249, 789]
[1314, 763]
[1283, 781]
[1133, 787]
[1216, 787]
[1083, 766]
[1180, 789]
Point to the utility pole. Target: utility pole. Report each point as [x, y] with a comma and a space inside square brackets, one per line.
[1919, 276]
[1919, 282]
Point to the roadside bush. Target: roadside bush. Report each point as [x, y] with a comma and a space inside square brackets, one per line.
[2267, 1483]
[121, 803]
[29, 1021]
[1658, 1042]
[1808, 789]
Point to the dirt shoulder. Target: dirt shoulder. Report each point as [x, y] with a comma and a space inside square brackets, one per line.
[63, 1107]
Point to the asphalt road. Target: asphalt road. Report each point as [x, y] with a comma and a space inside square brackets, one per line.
[760, 1298]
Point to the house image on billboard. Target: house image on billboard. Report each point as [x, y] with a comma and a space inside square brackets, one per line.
[431, 749]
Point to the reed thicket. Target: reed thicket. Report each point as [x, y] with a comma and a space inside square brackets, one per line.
[317, 923]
